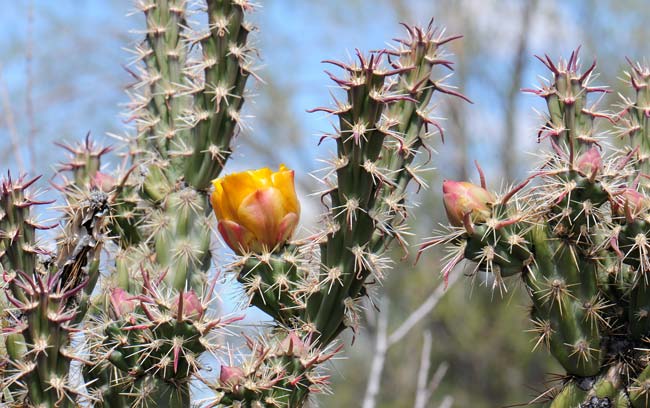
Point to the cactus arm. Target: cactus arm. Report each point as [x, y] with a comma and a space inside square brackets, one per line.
[379, 133]
[164, 56]
[219, 97]
[186, 113]
[583, 228]
[49, 299]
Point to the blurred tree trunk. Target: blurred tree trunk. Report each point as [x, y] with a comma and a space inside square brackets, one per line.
[508, 149]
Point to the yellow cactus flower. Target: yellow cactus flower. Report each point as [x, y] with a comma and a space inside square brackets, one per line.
[257, 210]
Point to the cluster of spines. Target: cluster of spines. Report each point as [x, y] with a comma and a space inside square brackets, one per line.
[276, 283]
[151, 343]
[281, 371]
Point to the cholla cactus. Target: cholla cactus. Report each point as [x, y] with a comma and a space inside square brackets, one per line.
[48, 294]
[136, 338]
[577, 238]
[312, 288]
[186, 114]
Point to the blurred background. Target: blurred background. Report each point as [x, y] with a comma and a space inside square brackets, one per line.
[62, 75]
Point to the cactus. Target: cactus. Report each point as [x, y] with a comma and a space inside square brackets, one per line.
[577, 238]
[312, 287]
[49, 294]
[154, 299]
[186, 113]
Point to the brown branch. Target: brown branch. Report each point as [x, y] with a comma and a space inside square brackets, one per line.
[383, 341]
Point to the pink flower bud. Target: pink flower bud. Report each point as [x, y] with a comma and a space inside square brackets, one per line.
[294, 345]
[122, 302]
[635, 201]
[230, 376]
[102, 181]
[590, 162]
[462, 197]
[192, 306]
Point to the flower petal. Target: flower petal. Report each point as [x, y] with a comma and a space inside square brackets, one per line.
[283, 180]
[287, 227]
[257, 209]
[261, 213]
[237, 237]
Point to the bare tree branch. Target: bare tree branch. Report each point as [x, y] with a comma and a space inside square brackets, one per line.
[423, 372]
[510, 110]
[378, 359]
[440, 373]
[383, 342]
[425, 308]
[447, 402]
[425, 391]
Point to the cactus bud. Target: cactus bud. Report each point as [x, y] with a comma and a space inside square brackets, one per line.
[192, 306]
[122, 302]
[230, 376]
[462, 197]
[103, 182]
[631, 203]
[294, 345]
[256, 209]
[590, 162]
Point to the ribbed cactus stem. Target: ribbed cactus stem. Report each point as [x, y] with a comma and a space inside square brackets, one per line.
[593, 392]
[273, 285]
[50, 297]
[636, 115]
[218, 97]
[640, 390]
[84, 162]
[359, 141]
[164, 55]
[18, 245]
[381, 127]
[182, 240]
[562, 285]
[422, 56]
